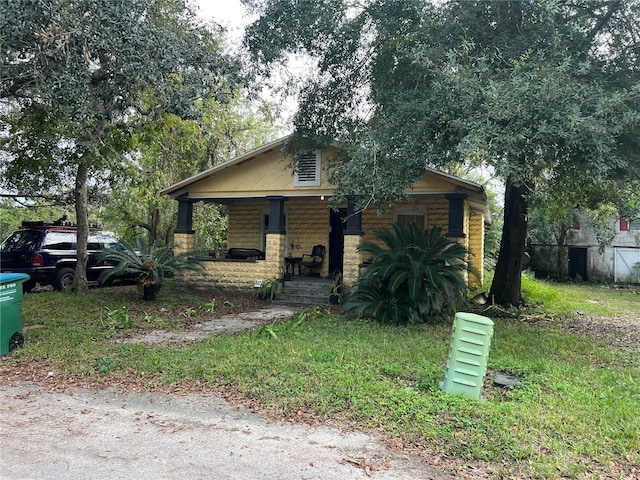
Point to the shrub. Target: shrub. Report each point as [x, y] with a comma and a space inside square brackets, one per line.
[415, 276]
[148, 264]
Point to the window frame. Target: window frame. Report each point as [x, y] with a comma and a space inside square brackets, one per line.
[415, 212]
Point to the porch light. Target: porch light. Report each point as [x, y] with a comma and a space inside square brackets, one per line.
[322, 198]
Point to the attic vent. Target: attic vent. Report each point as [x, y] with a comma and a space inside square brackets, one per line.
[307, 169]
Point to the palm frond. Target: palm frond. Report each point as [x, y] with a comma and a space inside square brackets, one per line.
[415, 276]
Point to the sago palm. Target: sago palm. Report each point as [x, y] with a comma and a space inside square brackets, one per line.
[414, 276]
[149, 265]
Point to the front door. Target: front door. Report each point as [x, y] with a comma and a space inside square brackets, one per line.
[336, 239]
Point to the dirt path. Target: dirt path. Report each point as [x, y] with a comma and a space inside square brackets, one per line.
[112, 434]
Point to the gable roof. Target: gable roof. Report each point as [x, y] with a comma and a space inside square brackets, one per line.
[180, 187]
[266, 172]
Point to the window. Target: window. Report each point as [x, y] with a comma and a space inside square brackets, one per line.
[634, 225]
[624, 225]
[93, 242]
[22, 240]
[59, 241]
[406, 216]
[307, 169]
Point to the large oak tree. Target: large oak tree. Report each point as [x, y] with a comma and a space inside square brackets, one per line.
[541, 93]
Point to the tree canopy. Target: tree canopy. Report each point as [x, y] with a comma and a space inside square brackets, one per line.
[542, 93]
[78, 78]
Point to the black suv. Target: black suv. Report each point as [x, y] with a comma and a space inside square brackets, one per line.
[47, 253]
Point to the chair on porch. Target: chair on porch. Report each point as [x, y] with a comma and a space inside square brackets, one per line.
[313, 260]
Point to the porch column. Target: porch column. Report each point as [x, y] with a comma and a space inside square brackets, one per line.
[276, 218]
[457, 218]
[276, 237]
[352, 236]
[456, 215]
[184, 235]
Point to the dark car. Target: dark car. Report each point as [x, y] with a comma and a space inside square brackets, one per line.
[47, 253]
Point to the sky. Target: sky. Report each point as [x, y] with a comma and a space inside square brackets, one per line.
[228, 13]
[232, 15]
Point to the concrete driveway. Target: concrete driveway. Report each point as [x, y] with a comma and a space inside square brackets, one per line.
[109, 434]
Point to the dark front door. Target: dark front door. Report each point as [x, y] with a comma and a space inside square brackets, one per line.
[336, 240]
[578, 263]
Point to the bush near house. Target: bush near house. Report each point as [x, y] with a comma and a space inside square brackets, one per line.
[414, 276]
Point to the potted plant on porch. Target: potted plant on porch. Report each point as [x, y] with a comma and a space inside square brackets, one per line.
[147, 264]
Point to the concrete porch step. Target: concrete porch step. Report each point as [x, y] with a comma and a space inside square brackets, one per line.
[305, 291]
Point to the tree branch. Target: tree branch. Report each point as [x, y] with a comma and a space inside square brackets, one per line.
[614, 6]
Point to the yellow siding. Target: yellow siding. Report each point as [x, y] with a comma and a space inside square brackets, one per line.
[243, 183]
[437, 209]
[476, 248]
[307, 225]
[371, 220]
[438, 213]
[431, 182]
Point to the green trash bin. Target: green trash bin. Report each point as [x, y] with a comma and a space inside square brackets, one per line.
[11, 311]
[468, 355]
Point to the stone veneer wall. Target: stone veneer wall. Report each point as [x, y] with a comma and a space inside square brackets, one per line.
[307, 225]
[245, 223]
[238, 274]
[183, 242]
[352, 260]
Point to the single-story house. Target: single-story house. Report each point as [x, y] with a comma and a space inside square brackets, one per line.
[583, 257]
[281, 214]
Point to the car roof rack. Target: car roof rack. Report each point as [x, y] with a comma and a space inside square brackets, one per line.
[58, 225]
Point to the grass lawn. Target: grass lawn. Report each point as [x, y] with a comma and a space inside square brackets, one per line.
[575, 413]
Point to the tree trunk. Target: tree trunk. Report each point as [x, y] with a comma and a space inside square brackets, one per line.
[506, 286]
[82, 219]
[155, 223]
[561, 239]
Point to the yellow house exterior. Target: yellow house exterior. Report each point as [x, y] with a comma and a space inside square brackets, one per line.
[285, 213]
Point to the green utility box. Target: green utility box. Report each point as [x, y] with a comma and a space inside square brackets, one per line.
[11, 311]
[468, 355]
